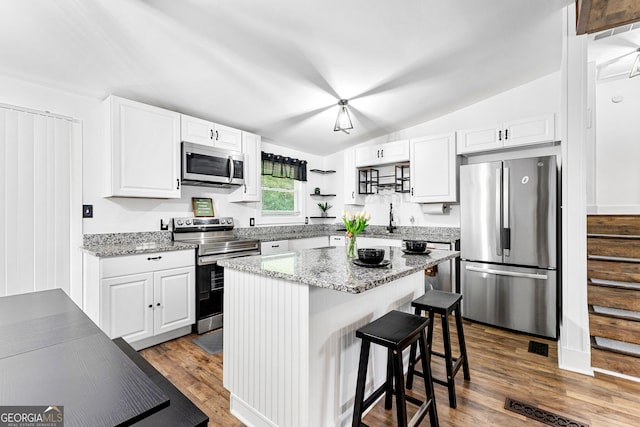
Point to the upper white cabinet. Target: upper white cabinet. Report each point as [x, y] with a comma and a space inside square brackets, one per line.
[533, 130]
[433, 169]
[351, 195]
[251, 148]
[205, 132]
[145, 149]
[391, 152]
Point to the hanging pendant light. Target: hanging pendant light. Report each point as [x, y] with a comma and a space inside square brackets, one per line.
[343, 121]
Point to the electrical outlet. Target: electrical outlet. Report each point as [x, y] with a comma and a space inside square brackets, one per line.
[87, 211]
[252, 222]
[306, 220]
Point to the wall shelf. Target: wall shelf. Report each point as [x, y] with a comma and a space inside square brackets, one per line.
[322, 195]
[322, 217]
[324, 172]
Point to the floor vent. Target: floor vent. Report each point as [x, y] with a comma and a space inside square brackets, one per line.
[545, 417]
[539, 348]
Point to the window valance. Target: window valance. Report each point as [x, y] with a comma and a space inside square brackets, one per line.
[284, 167]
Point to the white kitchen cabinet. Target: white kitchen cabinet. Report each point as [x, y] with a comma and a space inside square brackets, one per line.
[250, 191]
[434, 169]
[204, 132]
[275, 247]
[350, 181]
[368, 242]
[145, 299]
[145, 149]
[338, 240]
[391, 152]
[308, 243]
[515, 133]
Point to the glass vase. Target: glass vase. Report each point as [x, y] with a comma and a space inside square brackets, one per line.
[351, 247]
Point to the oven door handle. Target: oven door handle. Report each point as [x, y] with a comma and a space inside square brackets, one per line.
[213, 259]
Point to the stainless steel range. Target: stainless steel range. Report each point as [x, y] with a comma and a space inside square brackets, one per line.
[216, 241]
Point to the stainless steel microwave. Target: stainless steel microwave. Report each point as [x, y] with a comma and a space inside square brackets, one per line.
[208, 166]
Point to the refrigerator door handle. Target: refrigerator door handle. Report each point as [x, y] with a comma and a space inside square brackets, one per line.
[498, 231]
[506, 273]
[506, 231]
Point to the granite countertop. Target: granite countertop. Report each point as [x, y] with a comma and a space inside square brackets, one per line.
[430, 234]
[329, 267]
[117, 244]
[109, 250]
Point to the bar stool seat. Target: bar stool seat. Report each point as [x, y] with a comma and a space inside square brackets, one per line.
[395, 331]
[442, 303]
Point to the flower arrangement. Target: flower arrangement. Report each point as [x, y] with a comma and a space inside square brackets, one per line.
[354, 224]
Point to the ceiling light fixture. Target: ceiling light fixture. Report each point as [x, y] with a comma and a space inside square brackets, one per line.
[635, 70]
[343, 121]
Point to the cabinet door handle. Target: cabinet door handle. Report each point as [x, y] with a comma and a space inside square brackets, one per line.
[353, 194]
[378, 153]
[153, 258]
[158, 304]
[245, 188]
[500, 135]
[217, 136]
[381, 153]
[150, 305]
[275, 246]
[211, 134]
[412, 191]
[177, 183]
[506, 134]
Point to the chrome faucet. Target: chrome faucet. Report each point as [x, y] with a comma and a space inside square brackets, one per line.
[391, 226]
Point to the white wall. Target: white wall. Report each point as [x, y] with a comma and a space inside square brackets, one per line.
[535, 98]
[617, 150]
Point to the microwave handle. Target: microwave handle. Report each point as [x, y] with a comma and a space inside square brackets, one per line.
[231, 171]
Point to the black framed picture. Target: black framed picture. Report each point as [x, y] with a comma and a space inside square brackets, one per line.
[202, 206]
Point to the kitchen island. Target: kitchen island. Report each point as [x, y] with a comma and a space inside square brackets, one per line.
[290, 351]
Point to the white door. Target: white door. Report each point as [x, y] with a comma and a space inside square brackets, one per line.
[351, 196]
[174, 299]
[394, 152]
[145, 150]
[197, 130]
[228, 138]
[126, 306]
[533, 130]
[250, 191]
[479, 139]
[433, 169]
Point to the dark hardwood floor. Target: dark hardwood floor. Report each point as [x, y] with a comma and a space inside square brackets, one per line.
[501, 367]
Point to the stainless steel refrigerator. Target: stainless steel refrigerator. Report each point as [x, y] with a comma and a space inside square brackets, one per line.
[508, 242]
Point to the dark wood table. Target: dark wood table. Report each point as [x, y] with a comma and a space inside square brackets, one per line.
[51, 353]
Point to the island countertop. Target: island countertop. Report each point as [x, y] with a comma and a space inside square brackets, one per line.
[330, 268]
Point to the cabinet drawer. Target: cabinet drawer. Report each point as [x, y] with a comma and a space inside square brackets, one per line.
[141, 263]
[614, 328]
[275, 247]
[605, 296]
[617, 271]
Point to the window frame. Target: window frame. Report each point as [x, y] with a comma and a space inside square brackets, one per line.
[289, 217]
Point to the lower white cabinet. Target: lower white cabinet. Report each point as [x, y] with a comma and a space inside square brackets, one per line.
[338, 240]
[145, 299]
[275, 247]
[308, 243]
[367, 242]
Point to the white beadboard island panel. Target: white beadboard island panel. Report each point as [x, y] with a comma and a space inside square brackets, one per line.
[290, 351]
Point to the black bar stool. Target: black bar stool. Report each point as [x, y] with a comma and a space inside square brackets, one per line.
[395, 331]
[443, 303]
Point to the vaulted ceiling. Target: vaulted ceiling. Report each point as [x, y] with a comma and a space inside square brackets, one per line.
[278, 68]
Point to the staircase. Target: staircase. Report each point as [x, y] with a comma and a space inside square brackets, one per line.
[613, 280]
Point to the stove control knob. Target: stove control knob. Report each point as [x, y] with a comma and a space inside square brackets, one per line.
[179, 222]
[229, 221]
[223, 221]
[188, 222]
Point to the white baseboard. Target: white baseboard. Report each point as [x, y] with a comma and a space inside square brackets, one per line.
[575, 360]
[617, 209]
[246, 414]
[617, 374]
[157, 339]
